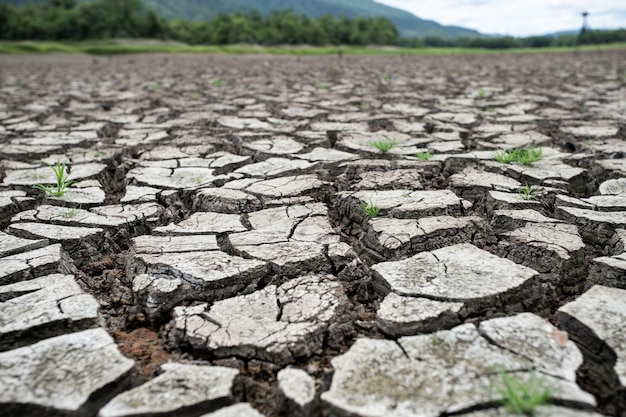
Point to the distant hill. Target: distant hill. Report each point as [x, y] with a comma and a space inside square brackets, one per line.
[408, 25]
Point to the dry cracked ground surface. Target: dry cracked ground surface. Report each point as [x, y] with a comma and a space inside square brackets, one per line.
[214, 255]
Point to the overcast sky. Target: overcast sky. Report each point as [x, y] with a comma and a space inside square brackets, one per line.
[518, 18]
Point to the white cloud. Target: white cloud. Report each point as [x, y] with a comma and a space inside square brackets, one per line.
[517, 18]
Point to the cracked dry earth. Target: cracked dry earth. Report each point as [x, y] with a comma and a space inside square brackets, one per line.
[213, 256]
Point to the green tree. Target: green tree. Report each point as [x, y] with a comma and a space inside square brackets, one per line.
[64, 4]
[7, 16]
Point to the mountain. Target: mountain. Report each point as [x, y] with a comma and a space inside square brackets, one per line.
[408, 24]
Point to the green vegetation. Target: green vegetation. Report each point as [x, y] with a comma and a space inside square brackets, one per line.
[69, 214]
[384, 145]
[65, 19]
[130, 46]
[105, 19]
[218, 82]
[526, 193]
[321, 86]
[75, 21]
[525, 156]
[62, 183]
[424, 156]
[509, 42]
[523, 396]
[371, 209]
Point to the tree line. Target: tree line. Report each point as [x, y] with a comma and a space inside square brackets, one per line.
[509, 42]
[103, 19]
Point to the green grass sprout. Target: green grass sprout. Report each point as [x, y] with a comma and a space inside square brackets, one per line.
[69, 214]
[526, 193]
[525, 156]
[424, 156]
[62, 182]
[384, 145]
[371, 209]
[523, 397]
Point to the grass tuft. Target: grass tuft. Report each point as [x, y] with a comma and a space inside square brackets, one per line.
[524, 156]
[526, 193]
[69, 214]
[62, 183]
[384, 145]
[424, 156]
[523, 397]
[371, 209]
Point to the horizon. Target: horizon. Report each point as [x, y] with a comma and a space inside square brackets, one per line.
[531, 18]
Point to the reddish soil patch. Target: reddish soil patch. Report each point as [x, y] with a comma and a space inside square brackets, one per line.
[145, 347]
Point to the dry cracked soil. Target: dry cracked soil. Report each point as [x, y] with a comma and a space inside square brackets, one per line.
[283, 236]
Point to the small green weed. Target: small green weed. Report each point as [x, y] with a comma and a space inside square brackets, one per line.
[218, 82]
[70, 214]
[504, 157]
[424, 156]
[322, 86]
[157, 87]
[528, 156]
[371, 209]
[434, 339]
[526, 193]
[62, 183]
[97, 154]
[491, 110]
[195, 96]
[384, 145]
[523, 397]
[590, 142]
[482, 93]
[405, 194]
